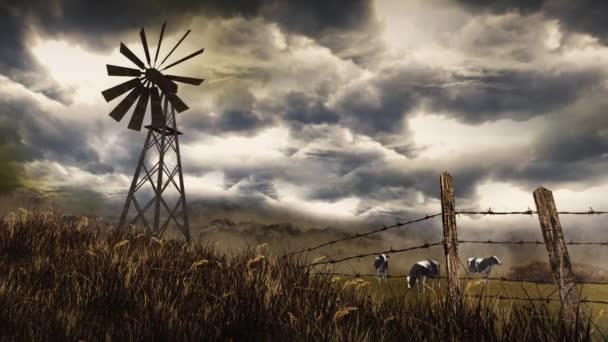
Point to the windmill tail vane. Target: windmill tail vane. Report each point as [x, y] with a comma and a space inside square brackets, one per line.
[149, 84]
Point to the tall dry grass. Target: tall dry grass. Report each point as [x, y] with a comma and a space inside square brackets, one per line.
[69, 280]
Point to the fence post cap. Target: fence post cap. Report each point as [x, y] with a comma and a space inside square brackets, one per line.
[541, 189]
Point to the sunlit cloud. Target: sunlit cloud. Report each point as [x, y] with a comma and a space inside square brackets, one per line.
[443, 137]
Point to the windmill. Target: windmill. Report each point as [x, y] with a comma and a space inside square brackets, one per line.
[159, 162]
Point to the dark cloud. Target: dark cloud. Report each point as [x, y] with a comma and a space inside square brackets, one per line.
[410, 150]
[237, 120]
[382, 103]
[95, 24]
[307, 109]
[37, 135]
[585, 16]
[235, 111]
[582, 16]
[315, 17]
[89, 18]
[342, 162]
[17, 63]
[575, 145]
[498, 6]
[364, 46]
[513, 94]
[571, 150]
[92, 22]
[367, 183]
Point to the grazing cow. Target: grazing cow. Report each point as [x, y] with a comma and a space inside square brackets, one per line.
[381, 265]
[423, 269]
[483, 266]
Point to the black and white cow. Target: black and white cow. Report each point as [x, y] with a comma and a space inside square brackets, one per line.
[423, 269]
[381, 265]
[483, 266]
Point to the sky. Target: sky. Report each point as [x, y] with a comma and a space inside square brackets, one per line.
[336, 110]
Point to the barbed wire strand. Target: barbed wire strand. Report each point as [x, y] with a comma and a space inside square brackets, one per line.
[521, 242]
[390, 251]
[540, 299]
[360, 235]
[514, 280]
[588, 301]
[527, 212]
[458, 212]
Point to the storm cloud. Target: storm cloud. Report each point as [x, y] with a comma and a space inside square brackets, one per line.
[330, 108]
[579, 16]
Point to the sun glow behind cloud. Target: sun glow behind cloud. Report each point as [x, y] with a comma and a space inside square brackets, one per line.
[217, 152]
[292, 196]
[444, 138]
[74, 67]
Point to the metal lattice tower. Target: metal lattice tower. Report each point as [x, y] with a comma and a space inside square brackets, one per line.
[158, 180]
[160, 143]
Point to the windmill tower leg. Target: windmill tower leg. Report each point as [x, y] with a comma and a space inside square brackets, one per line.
[161, 142]
[186, 227]
[134, 183]
[161, 167]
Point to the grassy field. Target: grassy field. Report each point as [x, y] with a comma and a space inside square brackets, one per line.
[80, 280]
[398, 288]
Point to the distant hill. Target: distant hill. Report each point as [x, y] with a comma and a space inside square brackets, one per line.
[227, 233]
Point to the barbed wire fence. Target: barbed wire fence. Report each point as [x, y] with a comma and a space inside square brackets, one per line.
[503, 279]
[361, 235]
[389, 251]
[550, 227]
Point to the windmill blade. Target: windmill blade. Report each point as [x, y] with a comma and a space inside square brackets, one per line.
[189, 80]
[114, 92]
[185, 58]
[119, 111]
[157, 111]
[160, 40]
[115, 70]
[177, 103]
[131, 56]
[140, 110]
[144, 42]
[175, 47]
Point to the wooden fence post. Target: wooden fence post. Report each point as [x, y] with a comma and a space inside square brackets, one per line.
[558, 254]
[450, 237]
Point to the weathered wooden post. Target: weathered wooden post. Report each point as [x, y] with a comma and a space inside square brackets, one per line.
[558, 254]
[450, 238]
